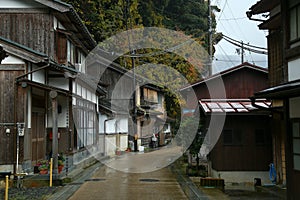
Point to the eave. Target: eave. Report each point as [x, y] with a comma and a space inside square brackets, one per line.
[283, 91]
[264, 6]
[273, 23]
[66, 14]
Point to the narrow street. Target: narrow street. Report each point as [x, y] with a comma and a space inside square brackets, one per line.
[108, 183]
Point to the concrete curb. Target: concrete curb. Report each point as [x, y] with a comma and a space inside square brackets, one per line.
[188, 186]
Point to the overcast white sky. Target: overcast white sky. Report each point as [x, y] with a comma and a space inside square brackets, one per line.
[233, 22]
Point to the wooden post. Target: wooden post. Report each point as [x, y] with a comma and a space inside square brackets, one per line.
[6, 188]
[51, 170]
[53, 95]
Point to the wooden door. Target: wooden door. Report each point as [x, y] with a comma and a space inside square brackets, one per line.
[38, 136]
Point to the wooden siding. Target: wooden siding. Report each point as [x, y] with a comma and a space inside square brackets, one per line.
[250, 155]
[276, 73]
[34, 30]
[7, 91]
[242, 83]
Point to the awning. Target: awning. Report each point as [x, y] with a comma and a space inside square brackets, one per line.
[24, 82]
[231, 105]
[287, 90]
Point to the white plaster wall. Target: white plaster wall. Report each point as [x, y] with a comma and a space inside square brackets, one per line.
[63, 117]
[12, 60]
[123, 142]
[110, 144]
[294, 70]
[61, 83]
[117, 125]
[38, 76]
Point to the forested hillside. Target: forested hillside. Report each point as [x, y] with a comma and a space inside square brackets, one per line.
[105, 18]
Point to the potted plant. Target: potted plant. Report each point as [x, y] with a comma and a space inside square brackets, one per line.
[61, 160]
[43, 166]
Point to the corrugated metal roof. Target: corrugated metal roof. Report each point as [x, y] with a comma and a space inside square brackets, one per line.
[231, 105]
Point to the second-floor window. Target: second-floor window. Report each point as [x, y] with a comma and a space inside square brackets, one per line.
[61, 47]
[294, 7]
[150, 95]
[66, 51]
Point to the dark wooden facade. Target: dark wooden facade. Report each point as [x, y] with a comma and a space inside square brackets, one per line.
[283, 48]
[48, 39]
[252, 152]
[248, 154]
[29, 29]
[8, 90]
[239, 82]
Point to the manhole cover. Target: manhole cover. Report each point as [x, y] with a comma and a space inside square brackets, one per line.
[149, 180]
[96, 179]
[74, 183]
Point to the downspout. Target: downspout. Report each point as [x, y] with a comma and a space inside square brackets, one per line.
[16, 154]
[108, 119]
[257, 106]
[253, 103]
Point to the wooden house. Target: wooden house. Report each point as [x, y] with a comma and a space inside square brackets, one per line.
[241, 150]
[43, 45]
[116, 108]
[284, 89]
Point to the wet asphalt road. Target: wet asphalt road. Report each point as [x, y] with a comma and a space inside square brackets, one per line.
[108, 183]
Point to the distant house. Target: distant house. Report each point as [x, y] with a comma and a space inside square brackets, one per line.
[284, 89]
[116, 109]
[243, 149]
[43, 45]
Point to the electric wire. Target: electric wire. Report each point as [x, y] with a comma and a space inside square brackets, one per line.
[246, 48]
[239, 28]
[249, 45]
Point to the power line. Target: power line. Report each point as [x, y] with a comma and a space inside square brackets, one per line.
[240, 44]
[230, 19]
[257, 47]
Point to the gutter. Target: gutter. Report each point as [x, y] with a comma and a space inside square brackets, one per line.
[250, 14]
[253, 103]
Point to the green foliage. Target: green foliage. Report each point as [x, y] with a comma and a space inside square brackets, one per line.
[189, 125]
[105, 18]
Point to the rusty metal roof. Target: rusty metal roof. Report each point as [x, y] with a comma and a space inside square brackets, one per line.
[231, 105]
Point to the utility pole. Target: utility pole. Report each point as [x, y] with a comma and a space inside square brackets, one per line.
[209, 39]
[135, 128]
[241, 51]
[53, 95]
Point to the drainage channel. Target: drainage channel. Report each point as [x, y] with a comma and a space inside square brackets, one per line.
[188, 187]
[95, 179]
[148, 180]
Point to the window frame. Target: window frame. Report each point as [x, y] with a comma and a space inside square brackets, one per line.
[294, 6]
[235, 133]
[295, 137]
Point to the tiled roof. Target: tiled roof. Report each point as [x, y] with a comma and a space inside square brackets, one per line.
[231, 105]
